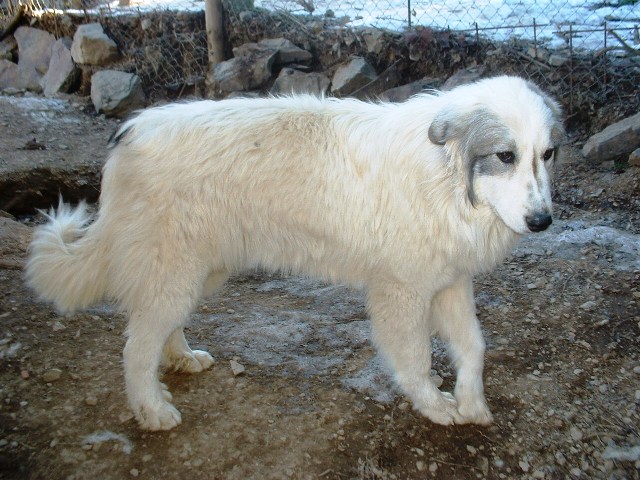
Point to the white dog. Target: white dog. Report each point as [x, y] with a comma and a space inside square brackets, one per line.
[406, 200]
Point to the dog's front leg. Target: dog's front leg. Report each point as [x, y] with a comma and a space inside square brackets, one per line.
[403, 335]
[453, 313]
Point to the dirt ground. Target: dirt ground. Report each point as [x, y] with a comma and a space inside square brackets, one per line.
[561, 318]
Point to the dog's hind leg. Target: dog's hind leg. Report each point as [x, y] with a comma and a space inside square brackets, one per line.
[453, 312]
[177, 355]
[402, 333]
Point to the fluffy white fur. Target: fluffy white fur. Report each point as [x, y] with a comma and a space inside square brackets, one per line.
[408, 201]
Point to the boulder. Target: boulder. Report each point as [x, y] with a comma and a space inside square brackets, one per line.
[292, 81]
[284, 51]
[462, 77]
[619, 139]
[404, 92]
[254, 64]
[375, 40]
[634, 158]
[351, 76]
[246, 72]
[116, 93]
[34, 48]
[17, 77]
[63, 74]
[92, 46]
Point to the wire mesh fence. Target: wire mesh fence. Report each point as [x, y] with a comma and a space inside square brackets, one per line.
[584, 51]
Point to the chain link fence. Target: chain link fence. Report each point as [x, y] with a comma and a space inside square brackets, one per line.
[584, 51]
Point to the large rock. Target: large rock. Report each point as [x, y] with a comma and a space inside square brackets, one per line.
[116, 93]
[63, 74]
[254, 64]
[404, 92]
[17, 77]
[616, 140]
[92, 46]
[244, 73]
[463, 77]
[293, 81]
[351, 76]
[34, 55]
[286, 52]
[375, 40]
[34, 48]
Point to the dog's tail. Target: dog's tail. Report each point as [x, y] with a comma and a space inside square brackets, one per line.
[66, 263]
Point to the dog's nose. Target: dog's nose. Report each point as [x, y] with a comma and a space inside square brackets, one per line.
[538, 221]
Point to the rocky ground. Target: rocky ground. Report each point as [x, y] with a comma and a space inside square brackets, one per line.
[561, 318]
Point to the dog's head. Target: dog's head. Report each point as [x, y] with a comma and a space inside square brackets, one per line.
[503, 135]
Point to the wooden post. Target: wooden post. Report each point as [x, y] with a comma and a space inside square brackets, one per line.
[214, 22]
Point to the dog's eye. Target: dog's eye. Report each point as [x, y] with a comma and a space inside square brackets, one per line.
[506, 157]
[548, 154]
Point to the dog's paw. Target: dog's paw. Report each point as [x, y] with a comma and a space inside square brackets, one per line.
[442, 410]
[162, 416]
[475, 411]
[193, 361]
[166, 394]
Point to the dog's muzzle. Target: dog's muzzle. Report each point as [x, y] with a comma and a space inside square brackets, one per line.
[538, 222]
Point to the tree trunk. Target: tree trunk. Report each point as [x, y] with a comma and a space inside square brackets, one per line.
[214, 21]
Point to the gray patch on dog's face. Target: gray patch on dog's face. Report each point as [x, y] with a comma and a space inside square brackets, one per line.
[480, 135]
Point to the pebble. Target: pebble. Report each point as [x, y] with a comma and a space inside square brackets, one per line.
[236, 367]
[91, 400]
[524, 465]
[590, 305]
[24, 374]
[420, 465]
[52, 375]
[134, 472]
[576, 434]
[471, 449]
[433, 467]
[57, 326]
[125, 417]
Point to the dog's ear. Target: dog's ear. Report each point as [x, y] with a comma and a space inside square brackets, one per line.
[444, 126]
[477, 124]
